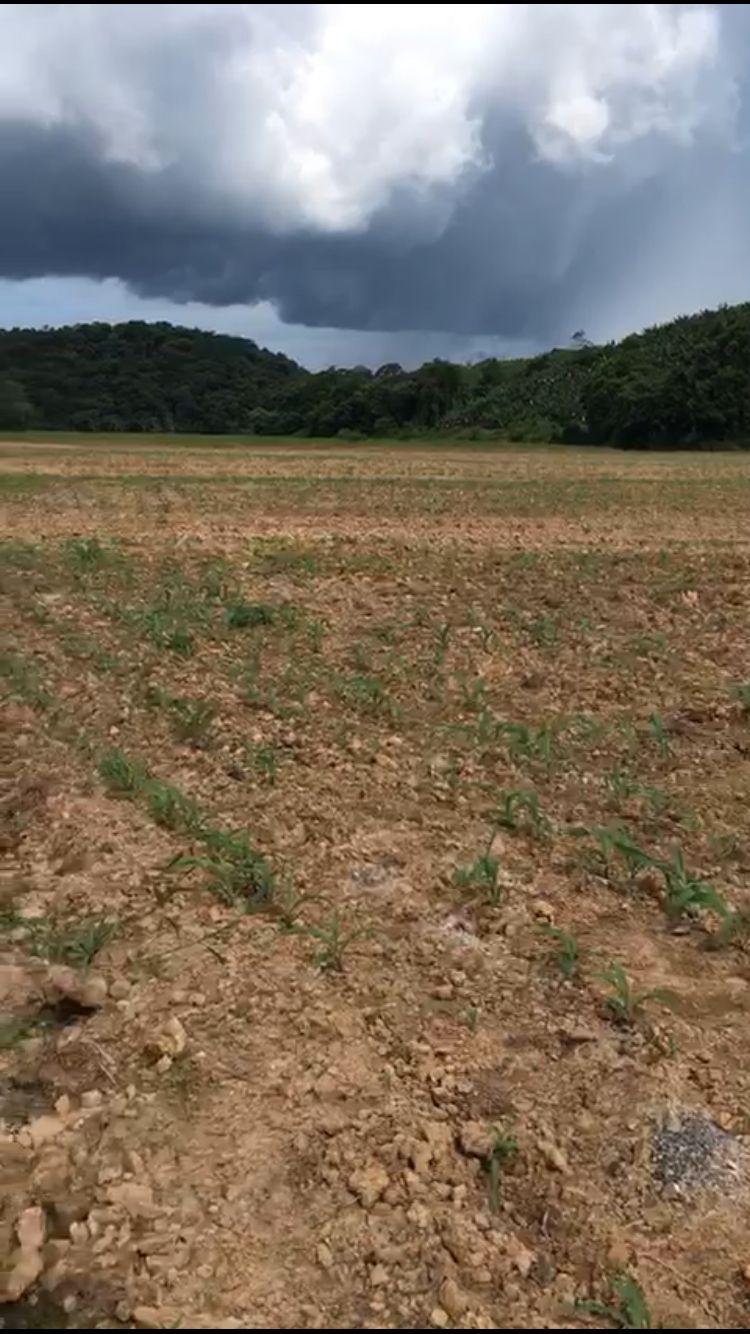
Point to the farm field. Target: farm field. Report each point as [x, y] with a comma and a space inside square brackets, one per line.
[374, 921]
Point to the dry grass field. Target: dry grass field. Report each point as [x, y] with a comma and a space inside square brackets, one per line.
[374, 916]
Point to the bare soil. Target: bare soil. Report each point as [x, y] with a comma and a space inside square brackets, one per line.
[381, 1090]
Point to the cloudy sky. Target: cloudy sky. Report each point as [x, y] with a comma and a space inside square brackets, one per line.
[362, 182]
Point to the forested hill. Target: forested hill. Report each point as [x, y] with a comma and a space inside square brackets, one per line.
[686, 383]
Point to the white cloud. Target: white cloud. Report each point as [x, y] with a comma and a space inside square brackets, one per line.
[314, 116]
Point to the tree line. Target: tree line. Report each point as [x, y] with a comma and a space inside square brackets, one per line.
[681, 384]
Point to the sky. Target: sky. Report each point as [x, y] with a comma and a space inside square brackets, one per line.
[366, 183]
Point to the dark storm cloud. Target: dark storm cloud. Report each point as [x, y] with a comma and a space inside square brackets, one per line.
[526, 238]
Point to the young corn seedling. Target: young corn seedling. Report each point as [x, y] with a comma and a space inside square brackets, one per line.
[567, 951]
[504, 1147]
[659, 735]
[626, 1004]
[333, 940]
[170, 808]
[122, 775]
[627, 1309]
[531, 743]
[521, 809]
[237, 874]
[76, 944]
[482, 875]
[192, 721]
[288, 905]
[687, 895]
[614, 841]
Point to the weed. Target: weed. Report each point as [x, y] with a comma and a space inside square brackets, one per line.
[121, 774]
[13, 1031]
[443, 637]
[660, 736]
[164, 632]
[471, 1018]
[482, 875]
[734, 927]
[264, 759]
[24, 680]
[627, 1309]
[363, 692]
[649, 645]
[170, 808]
[274, 557]
[588, 730]
[333, 942]
[86, 553]
[192, 720]
[543, 631]
[520, 808]
[238, 874]
[626, 1004]
[742, 695]
[567, 952]
[76, 943]
[504, 1147]
[249, 615]
[315, 632]
[183, 1079]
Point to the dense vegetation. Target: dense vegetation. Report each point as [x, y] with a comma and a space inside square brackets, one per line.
[684, 383]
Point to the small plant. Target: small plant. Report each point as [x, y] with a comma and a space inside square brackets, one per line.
[23, 680]
[170, 808]
[488, 728]
[474, 693]
[249, 615]
[238, 874]
[543, 630]
[660, 736]
[364, 692]
[625, 1003]
[688, 895]
[288, 905]
[86, 553]
[567, 952]
[333, 940]
[121, 774]
[531, 743]
[192, 720]
[77, 943]
[521, 808]
[742, 695]
[614, 841]
[13, 1031]
[443, 637]
[627, 1308]
[471, 1018]
[264, 759]
[165, 630]
[504, 1147]
[482, 875]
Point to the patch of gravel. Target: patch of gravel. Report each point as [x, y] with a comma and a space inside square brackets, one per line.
[689, 1152]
